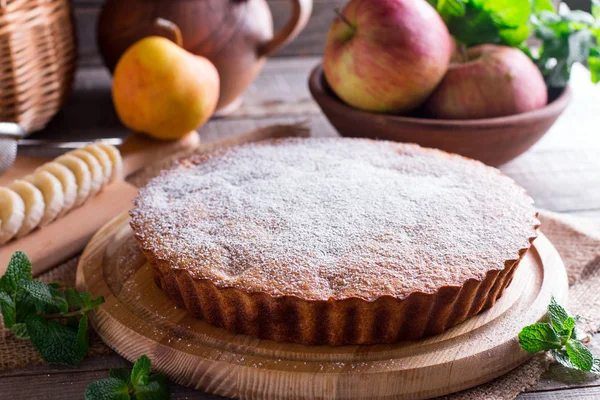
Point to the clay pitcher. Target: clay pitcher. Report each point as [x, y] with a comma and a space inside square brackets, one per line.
[236, 35]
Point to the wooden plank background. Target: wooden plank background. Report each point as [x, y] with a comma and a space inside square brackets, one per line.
[310, 42]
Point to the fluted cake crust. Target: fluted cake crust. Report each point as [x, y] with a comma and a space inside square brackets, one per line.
[249, 240]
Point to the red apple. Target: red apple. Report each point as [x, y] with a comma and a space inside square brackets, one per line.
[492, 81]
[386, 55]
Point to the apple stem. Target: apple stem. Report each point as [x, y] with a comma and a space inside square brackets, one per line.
[171, 27]
[343, 17]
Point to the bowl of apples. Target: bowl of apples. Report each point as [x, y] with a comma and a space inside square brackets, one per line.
[393, 71]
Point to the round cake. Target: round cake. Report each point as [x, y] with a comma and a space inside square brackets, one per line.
[333, 241]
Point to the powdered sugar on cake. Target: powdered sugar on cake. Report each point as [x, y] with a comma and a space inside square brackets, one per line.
[331, 218]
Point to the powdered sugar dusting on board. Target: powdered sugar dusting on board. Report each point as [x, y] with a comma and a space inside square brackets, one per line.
[334, 218]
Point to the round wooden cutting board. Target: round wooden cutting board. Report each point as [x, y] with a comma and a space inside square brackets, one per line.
[138, 318]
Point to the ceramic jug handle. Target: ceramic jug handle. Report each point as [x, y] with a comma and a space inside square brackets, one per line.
[300, 15]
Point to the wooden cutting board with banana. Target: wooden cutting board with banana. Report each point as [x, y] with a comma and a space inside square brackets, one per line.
[51, 208]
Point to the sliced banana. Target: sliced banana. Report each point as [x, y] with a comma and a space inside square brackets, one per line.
[82, 173]
[34, 205]
[12, 214]
[103, 159]
[52, 191]
[115, 157]
[95, 169]
[67, 180]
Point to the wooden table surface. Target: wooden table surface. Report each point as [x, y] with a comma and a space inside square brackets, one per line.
[561, 172]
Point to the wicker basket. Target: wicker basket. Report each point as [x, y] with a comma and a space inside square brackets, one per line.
[37, 60]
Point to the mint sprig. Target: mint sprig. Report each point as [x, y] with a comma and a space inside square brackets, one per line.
[559, 336]
[138, 384]
[55, 321]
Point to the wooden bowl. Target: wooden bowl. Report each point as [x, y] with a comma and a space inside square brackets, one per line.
[494, 141]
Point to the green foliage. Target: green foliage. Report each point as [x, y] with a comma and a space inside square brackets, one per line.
[564, 37]
[474, 22]
[140, 384]
[45, 315]
[560, 338]
[538, 337]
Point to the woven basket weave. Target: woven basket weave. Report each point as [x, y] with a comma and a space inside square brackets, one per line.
[37, 60]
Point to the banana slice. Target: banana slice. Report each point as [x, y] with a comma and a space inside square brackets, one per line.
[82, 173]
[103, 159]
[52, 191]
[12, 214]
[115, 157]
[34, 205]
[67, 180]
[97, 176]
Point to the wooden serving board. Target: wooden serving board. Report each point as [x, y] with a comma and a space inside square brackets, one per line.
[138, 318]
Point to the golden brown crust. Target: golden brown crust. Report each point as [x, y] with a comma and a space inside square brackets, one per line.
[335, 322]
[269, 312]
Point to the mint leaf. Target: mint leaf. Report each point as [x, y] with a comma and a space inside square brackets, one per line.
[562, 358]
[56, 343]
[594, 65]
[8, 309]
[140, 372]
[557, 314]
[543, 5]
[83, 339]
[41, 296]
[579, 355]
[73, 298]
[452, 8]
[19, 269]
[20, 330]
[156, 389]
[94, 303]
[120, 373]
[539, 337]
[88, 302]
[107, 389]
[140, 384]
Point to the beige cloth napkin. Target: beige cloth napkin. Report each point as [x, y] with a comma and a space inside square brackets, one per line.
[577, 240]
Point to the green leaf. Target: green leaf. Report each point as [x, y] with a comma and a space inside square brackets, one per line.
[579, 355]
[20, 331]
[73, 298]
[557, 314]
[86, 299]
[508, 13]
[538, 337]
[562, 358]
[543, 5]
[19, 269]
[94, 303]
[83, 339]
[41, 296]
[141, 371]
[56, 343]
[516, 36]
[120, 373]
[451, 8]
[107, 389]
[594, 66]
[156, 389]
[8, 309]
